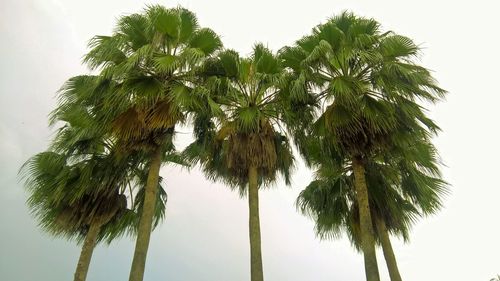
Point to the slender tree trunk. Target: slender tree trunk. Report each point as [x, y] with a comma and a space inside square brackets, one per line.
[390, 258]
[86, 254]
[367, 234]
[146, 220]
[256, 271]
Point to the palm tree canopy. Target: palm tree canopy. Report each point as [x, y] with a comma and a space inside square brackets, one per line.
[401, 187]
[365, 84]
[144, 86]
[67, 196]
[241, 125]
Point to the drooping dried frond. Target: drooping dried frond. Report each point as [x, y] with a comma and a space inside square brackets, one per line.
[130, 124]
[252, 149]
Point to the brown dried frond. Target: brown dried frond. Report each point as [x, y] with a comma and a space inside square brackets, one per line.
[145, 128]
[162, 115]
[130, 125]
[90, 209]
[353, 133]
[255, 149]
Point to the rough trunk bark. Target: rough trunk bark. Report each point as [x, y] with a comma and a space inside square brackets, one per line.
[146, 220]
[367, 234]
[86, 254]
[256, 271]
[390, 258]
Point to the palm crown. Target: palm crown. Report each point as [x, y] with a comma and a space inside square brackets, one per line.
[399, 194]
[149, 60]
[364, 80]
[245, 130]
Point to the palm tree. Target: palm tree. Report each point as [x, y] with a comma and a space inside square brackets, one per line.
[55, 200]
[366, 86]
[239, 138]
[85, 199]
[398, 194]
[80, 202]
[147, 65]
[331, 203]
[78, 188]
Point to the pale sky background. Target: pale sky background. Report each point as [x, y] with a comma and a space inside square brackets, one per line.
[205, 236]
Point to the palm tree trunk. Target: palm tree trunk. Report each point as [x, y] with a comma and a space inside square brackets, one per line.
[390, 258]
[86, 254]
[256, 271]
[367, 234]
[146, 220]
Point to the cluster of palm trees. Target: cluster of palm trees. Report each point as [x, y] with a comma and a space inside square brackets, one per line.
[347, 96]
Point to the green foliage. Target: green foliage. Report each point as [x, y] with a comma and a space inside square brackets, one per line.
[347, 91]
[364, 82]
[241, 123]
[401, 190]
[149, 62]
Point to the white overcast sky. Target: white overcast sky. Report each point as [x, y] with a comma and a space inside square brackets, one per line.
[204, 237]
